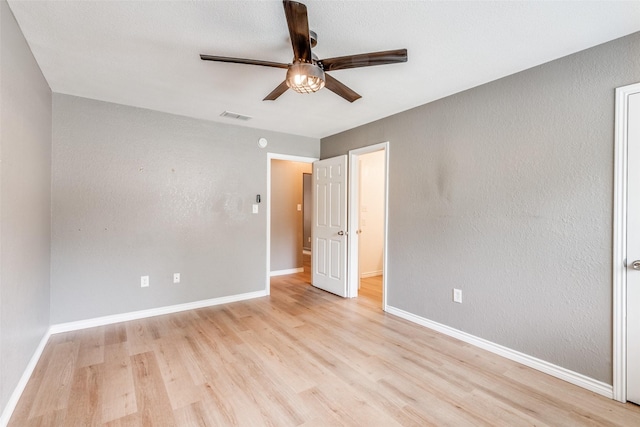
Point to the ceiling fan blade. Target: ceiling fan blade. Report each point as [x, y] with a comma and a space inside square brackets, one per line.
[298, 23]
[243, 61]
[340, 89]
[282, 88]
[364, 60]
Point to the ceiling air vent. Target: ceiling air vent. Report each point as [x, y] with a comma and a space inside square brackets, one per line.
[232, 115]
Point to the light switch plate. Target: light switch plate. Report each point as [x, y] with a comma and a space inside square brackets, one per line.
[299, 207]
[255, 208]
[176, 277]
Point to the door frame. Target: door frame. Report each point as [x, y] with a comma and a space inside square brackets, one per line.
[620, 242]
[352, 215]
[276, 156]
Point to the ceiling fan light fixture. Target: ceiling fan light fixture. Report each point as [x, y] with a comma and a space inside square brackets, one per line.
[305, 78]
[307, 73]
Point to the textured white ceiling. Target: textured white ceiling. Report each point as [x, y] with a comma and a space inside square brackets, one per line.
[145, 53]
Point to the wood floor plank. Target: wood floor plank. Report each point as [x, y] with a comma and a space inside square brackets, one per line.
[86, 409]
[228, 405]
[264, 387]
[298, 357]
[152, 400]
[131, 420]
[181, 389]
[50, 419]
[351, 408]
[33, 387]
[195, 415]
[141, 335]
[190, 354]
[57, 380]
[115, 334]
[118, 394]
[91, 347]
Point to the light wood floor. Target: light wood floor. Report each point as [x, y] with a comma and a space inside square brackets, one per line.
[298, 357]
[371, 289]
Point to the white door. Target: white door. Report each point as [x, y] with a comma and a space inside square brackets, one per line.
[633, 249]
[329, 229]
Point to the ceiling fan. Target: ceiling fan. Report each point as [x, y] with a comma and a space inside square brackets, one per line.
[307, 73]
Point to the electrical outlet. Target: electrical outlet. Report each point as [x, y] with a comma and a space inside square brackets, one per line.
[144, 281]
[457, 296]
[299, 207]
[176, 277]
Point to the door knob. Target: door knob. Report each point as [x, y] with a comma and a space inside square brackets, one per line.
[635, 265]
[341, 233]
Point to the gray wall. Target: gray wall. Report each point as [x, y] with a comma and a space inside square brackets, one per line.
[25, 203]
[138, 192]
[505, 191]
[286, 220]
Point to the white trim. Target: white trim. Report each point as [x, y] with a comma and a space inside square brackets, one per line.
[620, 243]
[371, 274]
[291, 158]
[548, 368]
[276, 156]
[352, 284]
[135, 315]
[7, 412]
[285, 272]
[385, 255]
[353, 224]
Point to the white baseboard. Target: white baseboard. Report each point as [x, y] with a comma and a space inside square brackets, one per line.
[24, 379]
[371, 274]
[530, 361]
[134, 315]
[288, 271]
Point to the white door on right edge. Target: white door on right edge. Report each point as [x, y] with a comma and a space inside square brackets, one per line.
[633, 249]
[329, 225]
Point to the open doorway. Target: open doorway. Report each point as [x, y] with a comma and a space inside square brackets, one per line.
[347, 230]
[285, 177]
[368, 223]
[371, 224]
